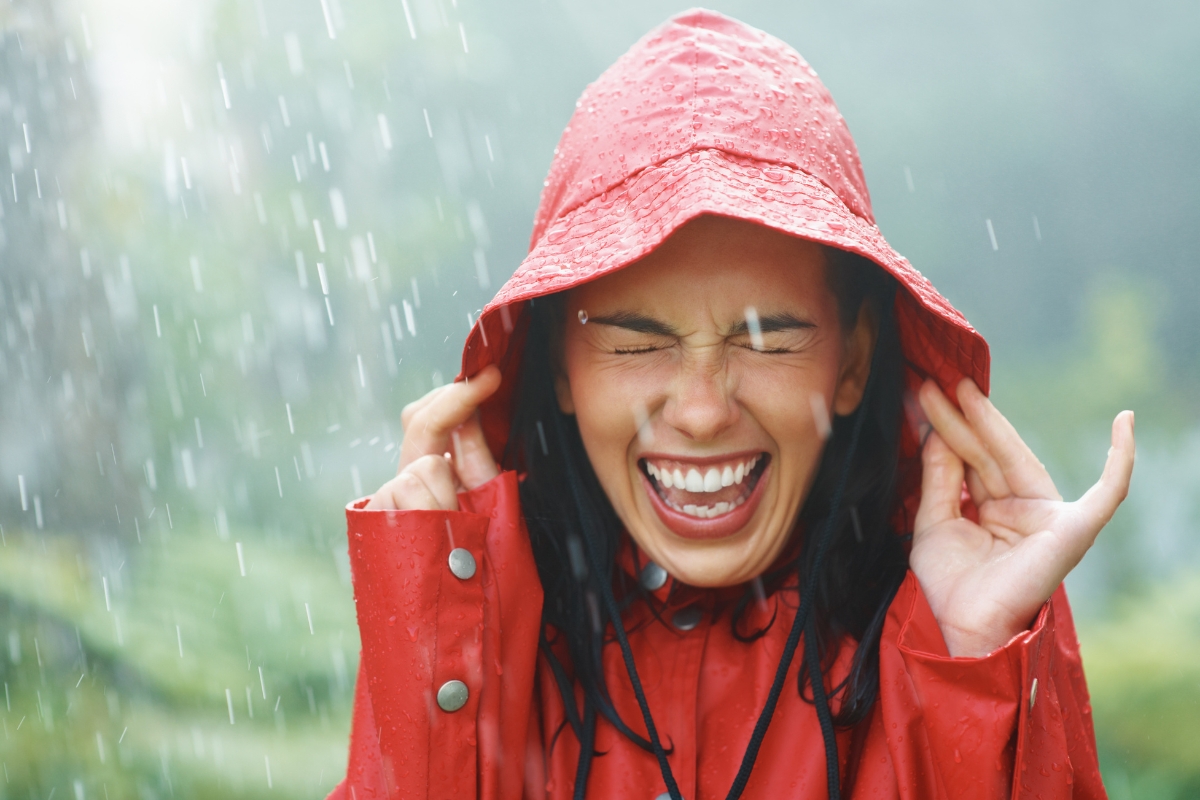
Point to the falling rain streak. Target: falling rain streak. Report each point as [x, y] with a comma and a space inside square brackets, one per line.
[190, 196]
[754, 328]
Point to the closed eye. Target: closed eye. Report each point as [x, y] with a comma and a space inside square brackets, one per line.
[767, 350]
[633, 351]
[779, 343]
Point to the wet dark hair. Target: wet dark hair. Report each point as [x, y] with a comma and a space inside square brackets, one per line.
[576, 535]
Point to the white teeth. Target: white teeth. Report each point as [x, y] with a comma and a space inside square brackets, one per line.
[713, 480]
[707, 512]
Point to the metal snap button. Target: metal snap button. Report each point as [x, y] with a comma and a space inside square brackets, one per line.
[462, 563]
[452, 696]
[687, 618]
[653, 577]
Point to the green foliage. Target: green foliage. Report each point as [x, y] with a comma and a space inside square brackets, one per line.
[1063, 396]
[179, 675]
[168, 347]
[1143, 670]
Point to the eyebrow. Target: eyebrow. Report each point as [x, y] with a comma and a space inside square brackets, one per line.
[641, 323]
[773, 322]
[638, 323]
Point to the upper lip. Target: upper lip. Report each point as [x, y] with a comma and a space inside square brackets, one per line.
[702, 460]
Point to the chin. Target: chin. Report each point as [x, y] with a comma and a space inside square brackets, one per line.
[711, 564]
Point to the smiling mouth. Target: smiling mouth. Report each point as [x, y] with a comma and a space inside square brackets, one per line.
[708, 491]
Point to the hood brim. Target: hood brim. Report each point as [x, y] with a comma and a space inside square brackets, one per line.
[620, 226]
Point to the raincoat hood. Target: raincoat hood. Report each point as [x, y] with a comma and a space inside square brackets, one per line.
[707, 115]
[704, 115]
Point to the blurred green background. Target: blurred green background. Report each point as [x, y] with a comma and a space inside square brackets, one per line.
[240, 234]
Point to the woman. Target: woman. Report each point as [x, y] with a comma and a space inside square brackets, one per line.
[758, 532]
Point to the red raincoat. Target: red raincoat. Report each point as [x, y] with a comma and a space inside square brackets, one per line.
[704, 115]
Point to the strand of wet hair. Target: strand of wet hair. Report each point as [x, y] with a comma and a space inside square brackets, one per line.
[808, 598]
[614, 614]
[798, 626]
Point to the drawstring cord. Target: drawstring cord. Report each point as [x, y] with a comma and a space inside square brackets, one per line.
[802, 623]
[808, 597]
[586, 743]
[614, 613]
[821, 701]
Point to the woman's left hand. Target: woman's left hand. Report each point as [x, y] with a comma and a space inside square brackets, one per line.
[986, 582]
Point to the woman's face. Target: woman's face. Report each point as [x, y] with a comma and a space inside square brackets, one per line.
[702, 379]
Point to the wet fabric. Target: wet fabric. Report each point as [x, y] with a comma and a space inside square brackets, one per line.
[705, 115]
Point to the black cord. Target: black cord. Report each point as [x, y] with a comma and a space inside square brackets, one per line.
[663, 766]
[808, 597]
[586, 744]
[614, 613]
[821, 701]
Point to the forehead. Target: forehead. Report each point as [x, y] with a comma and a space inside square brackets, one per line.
[716, 263]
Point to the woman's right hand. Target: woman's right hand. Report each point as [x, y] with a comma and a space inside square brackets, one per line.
[444, 451]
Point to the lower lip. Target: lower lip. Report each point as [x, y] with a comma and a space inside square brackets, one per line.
[690, 527]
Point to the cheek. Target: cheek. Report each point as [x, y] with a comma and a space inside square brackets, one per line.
[608, 395]
[607, 424]
[791, 403]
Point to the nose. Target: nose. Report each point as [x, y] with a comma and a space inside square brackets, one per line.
[701, 402]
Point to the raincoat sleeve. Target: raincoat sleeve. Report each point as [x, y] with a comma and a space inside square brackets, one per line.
[423, 627]
[1016, 723]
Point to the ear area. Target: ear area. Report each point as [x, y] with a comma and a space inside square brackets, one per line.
[562, 390]
[856, 361]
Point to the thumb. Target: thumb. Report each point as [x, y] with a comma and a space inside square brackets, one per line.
[1102, 500]
[941, 484]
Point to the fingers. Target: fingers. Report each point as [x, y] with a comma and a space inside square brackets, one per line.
[438, 477]
[431, 419]
[404, 492]
[979, 493]
[1022, 470]
[426, 485]
[961, 437]
[1101, 501]
[410, 410]
[941, 484]
[472, 458]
